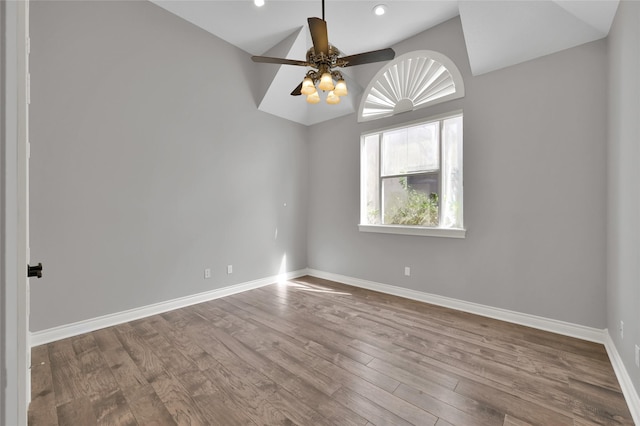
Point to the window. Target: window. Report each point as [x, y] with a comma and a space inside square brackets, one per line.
[411, 81]
[412, 179]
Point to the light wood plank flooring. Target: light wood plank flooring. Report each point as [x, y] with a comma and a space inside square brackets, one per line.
[314, 352]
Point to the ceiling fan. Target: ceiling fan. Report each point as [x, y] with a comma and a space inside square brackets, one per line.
[324, 58]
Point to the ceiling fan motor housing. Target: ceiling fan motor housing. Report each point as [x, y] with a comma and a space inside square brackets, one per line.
[316, 60]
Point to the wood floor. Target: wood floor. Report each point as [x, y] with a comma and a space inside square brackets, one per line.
[314, 352]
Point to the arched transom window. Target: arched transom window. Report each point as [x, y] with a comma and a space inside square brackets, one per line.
[411, 81]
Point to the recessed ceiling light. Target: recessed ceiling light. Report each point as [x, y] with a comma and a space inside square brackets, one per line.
[380, 9]
[258, 3]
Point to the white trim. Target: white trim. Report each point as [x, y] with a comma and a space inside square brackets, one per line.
[86, 326]
[425, 120]
[15, 381]
[628, 390]
[541, 323]
[414, 230]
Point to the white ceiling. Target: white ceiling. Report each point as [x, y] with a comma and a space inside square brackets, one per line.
[498, 33]
[503, 33]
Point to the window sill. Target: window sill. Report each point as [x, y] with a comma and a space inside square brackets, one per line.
[414, 230]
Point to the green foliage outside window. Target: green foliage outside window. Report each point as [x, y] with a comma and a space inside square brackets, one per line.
[418, 208]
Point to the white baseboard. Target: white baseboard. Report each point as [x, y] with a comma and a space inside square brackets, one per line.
[541, 323]
[62, 332]
[86, 326]
[629, 391]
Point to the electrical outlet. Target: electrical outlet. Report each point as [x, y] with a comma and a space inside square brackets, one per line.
[407, 271]
[622, 329]
[207, 273]
[637, 356]
[229, 269]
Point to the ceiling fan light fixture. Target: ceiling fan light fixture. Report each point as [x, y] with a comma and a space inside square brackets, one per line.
[258, 3]
[313, 98]
[326, 82]
[324, 59]
[308, 87]
[341, 88]
[332, 98]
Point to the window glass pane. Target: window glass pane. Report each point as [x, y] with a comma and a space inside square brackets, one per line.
[412, 149]
[370, 211]
[411, 200]
[452, 173]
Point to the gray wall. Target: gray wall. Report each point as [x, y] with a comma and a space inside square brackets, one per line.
[151, 162]
[535, 190]
[623, 265]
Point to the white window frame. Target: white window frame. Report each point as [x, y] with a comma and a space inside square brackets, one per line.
[426, 231]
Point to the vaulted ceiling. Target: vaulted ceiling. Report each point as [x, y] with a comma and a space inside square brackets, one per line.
[498, 34]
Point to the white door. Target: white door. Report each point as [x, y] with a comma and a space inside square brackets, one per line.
[15, 215]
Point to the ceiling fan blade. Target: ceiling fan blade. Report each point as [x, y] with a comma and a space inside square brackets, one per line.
[281, 61]
[318, 29]
[297, 91]
[368, 57]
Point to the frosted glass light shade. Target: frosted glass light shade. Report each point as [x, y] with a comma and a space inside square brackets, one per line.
[313, 98]
[341, 88]
[332, 98]
[326, 82]
[307, 86]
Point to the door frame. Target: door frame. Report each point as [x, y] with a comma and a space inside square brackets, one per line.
[15, 345]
